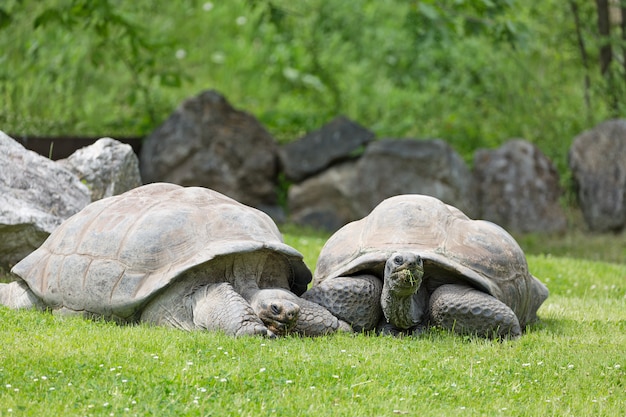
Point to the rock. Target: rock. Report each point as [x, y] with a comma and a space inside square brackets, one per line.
[335, 142]
[597, 159]
[517, 187]
[407, 166]
[325, 201]
[206, 142]
[36, 195]
[349, 191]
[108, 167]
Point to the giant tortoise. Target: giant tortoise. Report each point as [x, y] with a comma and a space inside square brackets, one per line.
[190, 258]
[415, 261]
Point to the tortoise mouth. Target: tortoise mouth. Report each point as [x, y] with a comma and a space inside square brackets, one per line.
[279, 328]
[280, 318]
[407, 279]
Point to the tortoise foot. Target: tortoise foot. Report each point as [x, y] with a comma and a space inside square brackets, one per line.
[355, 300]
[465, 310]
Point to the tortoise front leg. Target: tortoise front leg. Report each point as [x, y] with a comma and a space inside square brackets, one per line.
[220, 307]
[315, 320]
[213, 307]
[355, 300]
[465, 310]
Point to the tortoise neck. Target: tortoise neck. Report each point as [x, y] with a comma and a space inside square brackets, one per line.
[246, 272]
[397, 308]
[404, 311]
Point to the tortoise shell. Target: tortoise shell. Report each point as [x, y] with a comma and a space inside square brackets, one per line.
[124, 249]
[453, 247]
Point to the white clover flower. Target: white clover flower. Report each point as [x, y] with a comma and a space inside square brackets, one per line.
[241, 20]
[207, 7]
[181, 54]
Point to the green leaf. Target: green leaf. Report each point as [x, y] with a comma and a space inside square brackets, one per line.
[5, 19]
[170, 79]
[48, 16]
[428, 11]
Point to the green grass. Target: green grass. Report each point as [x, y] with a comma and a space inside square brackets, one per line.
[570, 364]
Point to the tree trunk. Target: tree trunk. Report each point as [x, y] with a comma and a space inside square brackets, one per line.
[583, 55]
[604, 28]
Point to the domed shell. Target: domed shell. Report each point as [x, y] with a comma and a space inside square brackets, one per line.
[453, 247]
[128, 247]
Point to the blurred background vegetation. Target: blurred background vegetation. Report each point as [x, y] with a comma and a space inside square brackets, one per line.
[472, 72]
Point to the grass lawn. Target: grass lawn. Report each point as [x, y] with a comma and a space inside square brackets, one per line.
[573, 363]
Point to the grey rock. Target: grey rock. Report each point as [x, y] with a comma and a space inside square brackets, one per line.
[335, 142]
[108, 167]
[517, 187]
[389, 167]
[325, 201]
[597, 159]
[407, 166]
[36, 195]
[206, 142]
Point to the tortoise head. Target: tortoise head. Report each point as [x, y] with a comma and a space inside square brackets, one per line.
[276, 310]
[403, 273]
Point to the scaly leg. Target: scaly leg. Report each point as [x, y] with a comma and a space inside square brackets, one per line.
[355, 300]
[466, 310]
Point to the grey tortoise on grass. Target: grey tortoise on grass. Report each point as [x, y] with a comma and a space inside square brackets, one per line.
[189, 258]
[415, 262]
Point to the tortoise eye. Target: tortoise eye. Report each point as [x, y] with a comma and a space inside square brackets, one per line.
[398, 260]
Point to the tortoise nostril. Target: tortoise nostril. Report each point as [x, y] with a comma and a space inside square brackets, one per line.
[275, 309]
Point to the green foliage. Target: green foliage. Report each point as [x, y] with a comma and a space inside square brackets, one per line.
[94, 36]
[474, 72]
[70, 366]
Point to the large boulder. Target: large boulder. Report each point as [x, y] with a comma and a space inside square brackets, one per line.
[407, 166]
[206, 142]
[325, 201]
[388, 167]
[36, 195]
[108, 167]
[517, 187]
[335, 142]
[597, 159]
